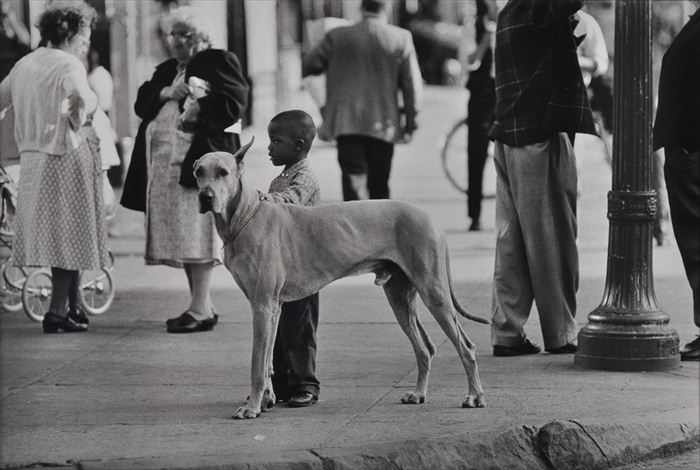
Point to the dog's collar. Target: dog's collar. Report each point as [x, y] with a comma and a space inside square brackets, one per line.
[235, 229]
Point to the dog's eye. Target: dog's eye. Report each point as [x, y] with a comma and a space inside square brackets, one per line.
[221, 172]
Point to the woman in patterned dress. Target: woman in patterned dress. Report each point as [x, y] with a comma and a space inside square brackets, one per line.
[59, 221]
[160, 179]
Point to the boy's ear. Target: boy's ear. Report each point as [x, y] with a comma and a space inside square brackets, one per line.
[240, 153]
[300, 144]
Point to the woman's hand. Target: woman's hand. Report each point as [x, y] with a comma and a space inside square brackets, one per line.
[73, 107]
[176, 92]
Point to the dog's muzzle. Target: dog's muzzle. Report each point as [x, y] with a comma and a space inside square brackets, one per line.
[206, 200]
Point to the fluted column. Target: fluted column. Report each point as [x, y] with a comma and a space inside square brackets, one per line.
[628, 331]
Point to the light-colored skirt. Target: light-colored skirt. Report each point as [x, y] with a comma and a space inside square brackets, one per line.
[176, 233]
[60, 215]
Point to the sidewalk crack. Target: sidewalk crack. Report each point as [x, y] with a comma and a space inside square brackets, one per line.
[585, 431]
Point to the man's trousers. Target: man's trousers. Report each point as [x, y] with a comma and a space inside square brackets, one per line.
[365, 164]
[536, 253]
[682, 172]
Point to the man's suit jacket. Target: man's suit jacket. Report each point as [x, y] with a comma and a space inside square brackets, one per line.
[367, 66]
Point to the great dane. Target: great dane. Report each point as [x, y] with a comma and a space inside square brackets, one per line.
[283, 252]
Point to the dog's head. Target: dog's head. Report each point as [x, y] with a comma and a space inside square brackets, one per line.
[217, 175]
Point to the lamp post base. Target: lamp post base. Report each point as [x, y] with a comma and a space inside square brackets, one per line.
[641, 347]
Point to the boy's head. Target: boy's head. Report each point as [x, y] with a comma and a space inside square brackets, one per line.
[291, 134]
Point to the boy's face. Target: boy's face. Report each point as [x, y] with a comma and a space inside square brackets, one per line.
[283, 149]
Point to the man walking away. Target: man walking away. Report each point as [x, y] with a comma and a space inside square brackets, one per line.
[367, 65]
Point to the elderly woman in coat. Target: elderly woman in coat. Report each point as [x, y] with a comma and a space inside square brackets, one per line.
[208, 86]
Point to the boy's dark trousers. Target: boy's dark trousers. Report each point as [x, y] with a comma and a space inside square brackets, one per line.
[294, 356]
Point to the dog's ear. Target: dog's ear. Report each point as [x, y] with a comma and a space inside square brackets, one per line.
[240, 153]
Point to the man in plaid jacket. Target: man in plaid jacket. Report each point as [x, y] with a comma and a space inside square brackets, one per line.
[541, 103]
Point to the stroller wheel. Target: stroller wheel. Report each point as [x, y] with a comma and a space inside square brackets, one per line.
[13, 278]
[36, 294]
[96, 290]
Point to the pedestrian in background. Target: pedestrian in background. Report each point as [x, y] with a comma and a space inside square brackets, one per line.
[482, 99]
[59, 220]
[367, 65]
[160, 179]
[541, 103]
[294, 358]
[676, 130]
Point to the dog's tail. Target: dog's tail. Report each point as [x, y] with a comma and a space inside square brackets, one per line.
[455, 302]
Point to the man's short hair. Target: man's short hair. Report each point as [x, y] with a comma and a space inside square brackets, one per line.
[301, 125]
[375, 6]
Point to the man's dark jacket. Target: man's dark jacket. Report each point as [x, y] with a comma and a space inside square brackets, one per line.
[223, 106]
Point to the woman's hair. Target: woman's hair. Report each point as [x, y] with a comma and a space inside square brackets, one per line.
[60, 24]
[186, 15]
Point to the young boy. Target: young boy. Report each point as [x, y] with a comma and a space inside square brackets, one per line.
[294, 358]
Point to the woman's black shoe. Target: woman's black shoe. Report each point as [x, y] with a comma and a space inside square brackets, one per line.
[524, 348]
[79, 317]
[186, 323]
[53, 323]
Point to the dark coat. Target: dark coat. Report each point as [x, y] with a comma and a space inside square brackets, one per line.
[224, 105]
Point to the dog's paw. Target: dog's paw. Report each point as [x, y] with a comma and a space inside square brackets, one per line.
[412, 398]
[474, 401]
[245, 412]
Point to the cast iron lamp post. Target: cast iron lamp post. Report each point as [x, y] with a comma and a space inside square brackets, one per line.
[628, 331]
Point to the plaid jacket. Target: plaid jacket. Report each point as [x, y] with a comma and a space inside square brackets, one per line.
[539, 88]
[297, 185]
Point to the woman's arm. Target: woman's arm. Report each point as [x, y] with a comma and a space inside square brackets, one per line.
[81, 100]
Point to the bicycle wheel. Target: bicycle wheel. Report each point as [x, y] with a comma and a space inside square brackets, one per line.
[13, 278]
[36, 294]
[453, 155]
[96, 290]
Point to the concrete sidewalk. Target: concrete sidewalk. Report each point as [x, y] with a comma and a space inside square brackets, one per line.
[128, 395]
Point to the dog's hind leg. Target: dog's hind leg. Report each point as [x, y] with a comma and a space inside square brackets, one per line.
[440, 305]
[402, 296]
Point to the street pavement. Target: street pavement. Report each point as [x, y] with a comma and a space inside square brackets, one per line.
[129, 395]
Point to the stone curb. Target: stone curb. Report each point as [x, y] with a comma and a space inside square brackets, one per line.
[562, 445]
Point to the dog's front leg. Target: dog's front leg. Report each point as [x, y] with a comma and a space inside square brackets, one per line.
[264, 329]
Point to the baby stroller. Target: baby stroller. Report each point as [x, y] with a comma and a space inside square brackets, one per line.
[27, 288]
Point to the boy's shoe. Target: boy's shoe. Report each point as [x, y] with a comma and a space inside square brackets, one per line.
[526, 347]
[53, 323]
[302, 399]
[475, 226]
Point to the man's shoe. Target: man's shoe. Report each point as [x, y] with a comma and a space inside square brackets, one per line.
[526, 347]
[691, 351]
[186, 323]
[53, 323]
[475, 226]
[302, 399]
[568, 348]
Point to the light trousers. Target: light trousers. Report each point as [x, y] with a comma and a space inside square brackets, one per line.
[536, 253]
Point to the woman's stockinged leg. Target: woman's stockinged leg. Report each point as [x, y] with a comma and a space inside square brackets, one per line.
[200, 289]
[61, 281]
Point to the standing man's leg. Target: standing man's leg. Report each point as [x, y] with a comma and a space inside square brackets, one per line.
[545, 198]
[512, 290]
[352, 157]
[682, 171]
[300, 331]
[379, 157]
[480, 113]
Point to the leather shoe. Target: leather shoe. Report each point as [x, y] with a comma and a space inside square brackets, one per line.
[53, 323]
[691, 351]
[526, 347]
[79, 316]
[568, 348]
[475, 226]
[186, 323]
[301, 399]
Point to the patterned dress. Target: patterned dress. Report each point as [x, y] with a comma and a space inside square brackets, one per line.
[176, 233]
[60, 215]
